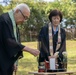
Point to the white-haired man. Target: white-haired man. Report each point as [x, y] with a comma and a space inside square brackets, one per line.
[10, 47]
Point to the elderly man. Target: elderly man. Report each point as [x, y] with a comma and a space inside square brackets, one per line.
[10, 47]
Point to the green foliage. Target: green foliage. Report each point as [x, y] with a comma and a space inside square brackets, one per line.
[39, 14]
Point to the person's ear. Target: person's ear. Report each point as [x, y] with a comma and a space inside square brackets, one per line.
[17, 11]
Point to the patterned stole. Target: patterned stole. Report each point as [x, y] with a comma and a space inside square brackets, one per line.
[11, 15]
[51, 39]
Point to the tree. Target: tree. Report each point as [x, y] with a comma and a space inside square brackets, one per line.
[40, 11]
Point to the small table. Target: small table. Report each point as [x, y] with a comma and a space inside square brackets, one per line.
[51, 73]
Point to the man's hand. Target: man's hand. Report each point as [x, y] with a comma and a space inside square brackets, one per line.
[34, 52]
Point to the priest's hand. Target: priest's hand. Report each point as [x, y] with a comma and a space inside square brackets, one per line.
[34, 52]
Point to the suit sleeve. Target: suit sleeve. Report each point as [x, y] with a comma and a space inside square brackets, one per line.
[12, 47]
[42, 45]
[63, 47]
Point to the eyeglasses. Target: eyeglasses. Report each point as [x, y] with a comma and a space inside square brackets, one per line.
[25, 17]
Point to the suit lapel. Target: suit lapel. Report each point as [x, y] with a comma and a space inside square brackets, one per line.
[9, 24]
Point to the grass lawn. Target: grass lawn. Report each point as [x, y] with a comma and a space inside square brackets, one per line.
[29, 62]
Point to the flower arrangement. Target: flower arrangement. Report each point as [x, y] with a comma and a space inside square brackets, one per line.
[64, 59]
[64, 53]
[64, 56]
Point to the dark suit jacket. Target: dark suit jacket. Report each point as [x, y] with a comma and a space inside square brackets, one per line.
[10, 50]
[43, 39]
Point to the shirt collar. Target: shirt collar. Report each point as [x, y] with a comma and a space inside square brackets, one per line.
[55, 30]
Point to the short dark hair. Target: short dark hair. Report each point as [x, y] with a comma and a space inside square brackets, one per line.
[55, 12]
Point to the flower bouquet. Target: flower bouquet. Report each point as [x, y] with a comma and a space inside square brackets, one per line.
[64, 59]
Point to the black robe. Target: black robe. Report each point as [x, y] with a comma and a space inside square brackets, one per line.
[43, 39]
[10, 50]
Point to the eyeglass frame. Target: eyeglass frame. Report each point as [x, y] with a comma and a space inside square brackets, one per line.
[25, 17]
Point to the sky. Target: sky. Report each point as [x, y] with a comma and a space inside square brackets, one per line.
[3, 0]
